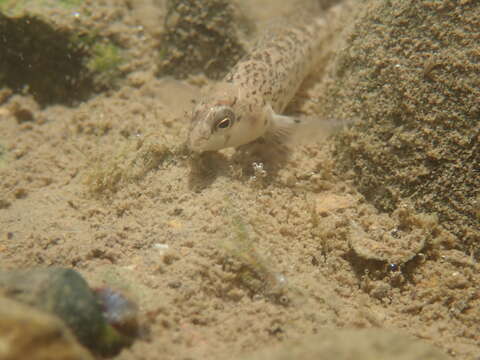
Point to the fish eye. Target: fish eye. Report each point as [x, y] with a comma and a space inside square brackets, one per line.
[224, 119]
[223, 123]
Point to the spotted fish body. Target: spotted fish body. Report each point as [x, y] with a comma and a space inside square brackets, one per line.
[248, 102]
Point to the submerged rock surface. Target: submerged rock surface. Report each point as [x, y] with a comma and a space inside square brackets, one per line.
[27, 333]
[408, 72]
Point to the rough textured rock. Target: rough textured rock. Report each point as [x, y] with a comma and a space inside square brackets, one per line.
[65, 293]
[418, 130]
[26, 333]
[200, 37]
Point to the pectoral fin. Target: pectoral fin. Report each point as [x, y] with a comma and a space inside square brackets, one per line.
[282, 127]
[288, 130]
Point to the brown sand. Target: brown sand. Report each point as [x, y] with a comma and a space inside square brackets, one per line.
[105, 188]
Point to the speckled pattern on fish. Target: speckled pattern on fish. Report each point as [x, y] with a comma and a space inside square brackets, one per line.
[277, 65]
[249, 101]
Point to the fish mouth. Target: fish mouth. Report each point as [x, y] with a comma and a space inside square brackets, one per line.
[196, 144]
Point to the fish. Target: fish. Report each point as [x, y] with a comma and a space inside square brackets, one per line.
[247, 104]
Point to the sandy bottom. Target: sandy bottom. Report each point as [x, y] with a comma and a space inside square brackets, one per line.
[223, 255]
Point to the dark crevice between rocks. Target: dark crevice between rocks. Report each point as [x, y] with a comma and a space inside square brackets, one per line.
[35, 58]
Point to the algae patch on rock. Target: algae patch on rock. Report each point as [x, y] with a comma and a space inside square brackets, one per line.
[104, 61]
[408, 72]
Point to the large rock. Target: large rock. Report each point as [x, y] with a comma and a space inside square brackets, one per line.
[26, 333]
[54, 51]
[200, 37]
[409, 72]
[93, 316]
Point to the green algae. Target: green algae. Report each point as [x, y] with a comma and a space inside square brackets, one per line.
[129, 164]
[71, 3]
[255, 272]
[105, 60]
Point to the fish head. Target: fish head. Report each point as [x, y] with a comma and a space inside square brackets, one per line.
[221, 120]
